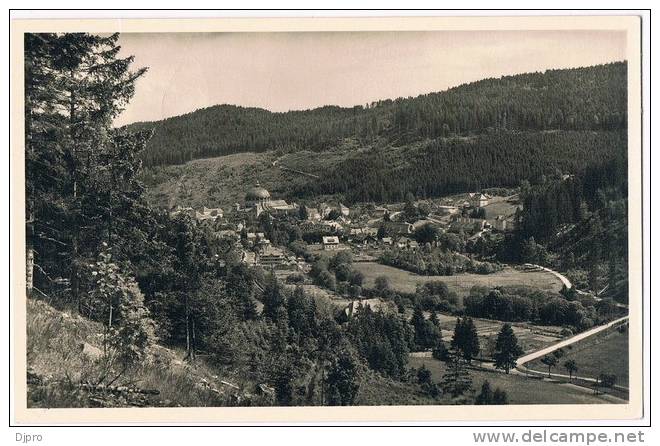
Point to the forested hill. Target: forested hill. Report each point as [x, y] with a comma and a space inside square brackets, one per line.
[592, 98]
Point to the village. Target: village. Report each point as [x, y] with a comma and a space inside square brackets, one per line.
[366, 230]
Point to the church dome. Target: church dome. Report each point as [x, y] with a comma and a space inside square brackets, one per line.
[257, 193]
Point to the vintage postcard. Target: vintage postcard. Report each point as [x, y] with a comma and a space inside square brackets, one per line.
[327, 220]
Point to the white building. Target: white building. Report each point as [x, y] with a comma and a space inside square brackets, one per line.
[330, 242]
[478, 200]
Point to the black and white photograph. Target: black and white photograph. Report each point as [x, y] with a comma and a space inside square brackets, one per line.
[233, 218]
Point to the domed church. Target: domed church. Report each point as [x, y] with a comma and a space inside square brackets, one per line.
[258, 199]
[257, 196]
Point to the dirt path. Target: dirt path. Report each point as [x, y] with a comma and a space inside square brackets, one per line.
[559, 275]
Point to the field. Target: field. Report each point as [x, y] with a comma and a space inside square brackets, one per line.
[607, 353]
[519, 389]
[499, 206]
[406, 281]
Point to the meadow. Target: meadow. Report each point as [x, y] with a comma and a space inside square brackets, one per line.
[500, 206]
[406, 281]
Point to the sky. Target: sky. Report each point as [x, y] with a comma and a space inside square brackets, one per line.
[296, 71]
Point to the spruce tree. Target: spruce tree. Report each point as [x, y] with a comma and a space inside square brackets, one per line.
[456, 379]
[418, 322]
[433, 318]
[507, 350]
[272, 298]
[342, 380]
[423, 375]
[282, 377]
[80, 172]
[466, 339]
[129, 331]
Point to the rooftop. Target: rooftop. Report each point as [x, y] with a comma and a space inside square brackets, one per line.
[257, 193]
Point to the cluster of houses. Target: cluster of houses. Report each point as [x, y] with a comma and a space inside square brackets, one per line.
[324, 210]
[476, 200]
[257, 249]
[397, 232]
[333, 242]
[376, 226]
[477, 225]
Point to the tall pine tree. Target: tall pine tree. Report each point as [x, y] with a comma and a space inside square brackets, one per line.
[79, 171]
[507, 350]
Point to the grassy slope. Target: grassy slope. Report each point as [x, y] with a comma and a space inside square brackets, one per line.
[519, 389]
[206, 182]
[55, 342]
[500, 206]
[380, 391]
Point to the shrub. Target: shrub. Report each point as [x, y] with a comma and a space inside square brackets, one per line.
[607, 380]
[382, 283]
[295, 278]
[326, 279]
[566, 333]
